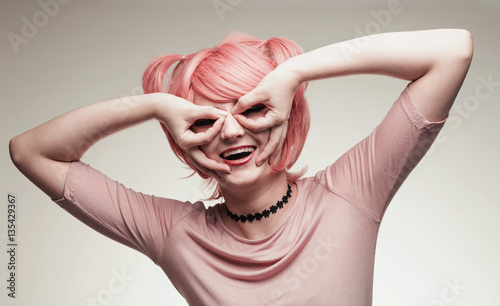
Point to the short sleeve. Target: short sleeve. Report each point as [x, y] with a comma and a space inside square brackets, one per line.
[370, 173]
[142, 222]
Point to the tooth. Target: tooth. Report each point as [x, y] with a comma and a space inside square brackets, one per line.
[241, 150]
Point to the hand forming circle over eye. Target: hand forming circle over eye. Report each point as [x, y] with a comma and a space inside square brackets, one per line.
[275, 92]
[179, 116]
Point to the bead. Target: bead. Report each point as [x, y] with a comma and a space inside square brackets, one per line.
[265, 213]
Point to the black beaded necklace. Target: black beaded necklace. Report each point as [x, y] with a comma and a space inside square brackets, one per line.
[265, 213]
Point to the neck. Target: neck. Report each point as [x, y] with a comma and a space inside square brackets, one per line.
[255, 198]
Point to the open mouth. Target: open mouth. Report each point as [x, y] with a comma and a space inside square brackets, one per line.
[237, 153]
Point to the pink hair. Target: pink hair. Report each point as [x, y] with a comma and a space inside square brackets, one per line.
[225, 73]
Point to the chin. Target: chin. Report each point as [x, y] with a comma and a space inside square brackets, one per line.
[246, 176]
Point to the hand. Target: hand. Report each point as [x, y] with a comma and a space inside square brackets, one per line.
[178, 115]
[275, 91]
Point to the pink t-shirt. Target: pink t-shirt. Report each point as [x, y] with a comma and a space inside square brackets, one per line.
[322, 253]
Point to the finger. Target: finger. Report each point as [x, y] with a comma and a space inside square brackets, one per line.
[207, 112]
[203, 170]
[250, 99]
[191, 139]
[276, 138]
[211, 133]
[277, 152]
[281, 135]
[260, 123]
[251, 124]
[206, 162]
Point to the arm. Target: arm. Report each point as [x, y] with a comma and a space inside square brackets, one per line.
[436, 61]
[43, 154]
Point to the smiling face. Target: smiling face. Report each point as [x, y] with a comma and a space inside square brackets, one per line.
[236, 146]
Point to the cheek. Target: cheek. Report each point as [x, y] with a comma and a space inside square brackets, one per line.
[210, 149]
[262, 137]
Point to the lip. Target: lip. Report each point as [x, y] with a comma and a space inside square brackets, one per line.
[239, 162]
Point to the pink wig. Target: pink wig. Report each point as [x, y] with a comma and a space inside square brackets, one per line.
[225, 73]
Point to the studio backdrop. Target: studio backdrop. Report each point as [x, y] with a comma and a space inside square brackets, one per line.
[439, 241]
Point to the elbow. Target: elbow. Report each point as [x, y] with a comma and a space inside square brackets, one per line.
[461, 47]
[15, 151]
[19, 152]
[466, 45]
[454, 50]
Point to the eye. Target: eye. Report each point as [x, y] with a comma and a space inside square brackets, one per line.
[204, 123]
[254, 109]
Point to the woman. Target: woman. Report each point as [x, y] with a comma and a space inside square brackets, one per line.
[237, 115]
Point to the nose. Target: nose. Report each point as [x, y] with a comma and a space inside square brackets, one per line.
[231, 130]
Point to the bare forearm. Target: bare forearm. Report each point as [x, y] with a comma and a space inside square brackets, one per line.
[68, 137]
[405, 55]
[43, 153]
[436, 61]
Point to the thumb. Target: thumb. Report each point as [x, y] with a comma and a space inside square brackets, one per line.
[209, 112]
[246, 101]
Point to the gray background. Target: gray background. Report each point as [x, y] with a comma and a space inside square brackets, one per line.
[442, 227]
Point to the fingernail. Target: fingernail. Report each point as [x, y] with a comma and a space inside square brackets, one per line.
[223, 113]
